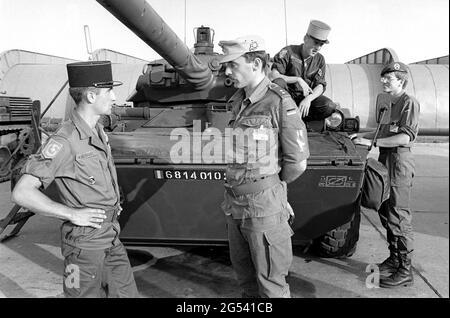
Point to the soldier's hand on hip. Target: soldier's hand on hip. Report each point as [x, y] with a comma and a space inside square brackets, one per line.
[88, 217]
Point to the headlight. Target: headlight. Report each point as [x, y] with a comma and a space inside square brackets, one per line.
[334, 121]
[351, 125]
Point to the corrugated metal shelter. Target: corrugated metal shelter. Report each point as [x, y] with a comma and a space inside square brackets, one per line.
[354, 85]
[41, 76]
[437, 60]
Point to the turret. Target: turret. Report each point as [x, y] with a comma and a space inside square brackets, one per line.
[143, 20]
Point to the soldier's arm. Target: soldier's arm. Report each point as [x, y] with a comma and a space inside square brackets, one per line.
[281, 61]
[409, 121]
[408, 126]
[39, 171]
[400, 139]
[293, 141]
[316, 92]
[319, 83]
[27, 194]
[288, 79]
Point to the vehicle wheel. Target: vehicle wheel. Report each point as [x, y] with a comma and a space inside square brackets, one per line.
[340, 242]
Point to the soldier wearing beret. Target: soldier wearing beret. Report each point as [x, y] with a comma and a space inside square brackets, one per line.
[77, 158]
[273, 153]
[395, 140]
[300, 69]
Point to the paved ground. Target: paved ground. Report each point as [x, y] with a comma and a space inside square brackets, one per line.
[31, 264]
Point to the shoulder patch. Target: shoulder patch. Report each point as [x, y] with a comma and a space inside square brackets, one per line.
[51, 149]
[278, 90]
[283, 53]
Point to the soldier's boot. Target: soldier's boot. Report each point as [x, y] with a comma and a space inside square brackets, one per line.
[391, 264]
[402, 277]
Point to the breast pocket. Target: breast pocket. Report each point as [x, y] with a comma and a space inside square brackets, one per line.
[258, 144]
[91, 172]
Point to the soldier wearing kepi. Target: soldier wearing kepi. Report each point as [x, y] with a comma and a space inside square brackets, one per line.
[255, 200]
[300, 69]
[78, 159]
[395, 140]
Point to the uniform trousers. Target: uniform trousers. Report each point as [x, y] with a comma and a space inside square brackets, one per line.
[261, 253]
[90, 269]
[395, 213]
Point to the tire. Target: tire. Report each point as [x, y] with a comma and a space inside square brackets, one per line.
[340, 242]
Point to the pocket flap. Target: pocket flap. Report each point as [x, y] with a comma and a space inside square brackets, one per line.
[280, 234]
[255, 121]
[85, 156]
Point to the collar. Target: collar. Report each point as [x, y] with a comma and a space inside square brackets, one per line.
[259, 91]
[398, 99]
[83, 128]
[300, 54]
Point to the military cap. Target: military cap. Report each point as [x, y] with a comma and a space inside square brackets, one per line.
[319, 30]
[235, 48]
[91, 74]
[395, 67]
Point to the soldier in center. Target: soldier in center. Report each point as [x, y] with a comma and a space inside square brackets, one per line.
[269, 150]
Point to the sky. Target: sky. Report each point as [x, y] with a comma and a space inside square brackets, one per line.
[415, 29]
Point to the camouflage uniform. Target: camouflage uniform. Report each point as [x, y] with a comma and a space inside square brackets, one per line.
[82, 168]
[257, 221]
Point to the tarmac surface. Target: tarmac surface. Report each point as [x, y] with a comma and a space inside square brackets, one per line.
[31, 264]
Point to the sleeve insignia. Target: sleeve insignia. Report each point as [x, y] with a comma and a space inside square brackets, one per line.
[51, 149]
[283, 53]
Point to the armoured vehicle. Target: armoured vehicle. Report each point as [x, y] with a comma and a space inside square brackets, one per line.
[19, 135]
[172, 187]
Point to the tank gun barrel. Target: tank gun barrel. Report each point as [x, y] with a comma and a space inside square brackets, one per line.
[143, 20]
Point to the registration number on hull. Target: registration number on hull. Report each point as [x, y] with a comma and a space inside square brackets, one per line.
[189, 174]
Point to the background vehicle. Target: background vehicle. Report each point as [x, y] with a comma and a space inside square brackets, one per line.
[170, 203]
[175, 91]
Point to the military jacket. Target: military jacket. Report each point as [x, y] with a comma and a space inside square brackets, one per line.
[403, 118]
[80, 163]
[268, 134]
[289, 62]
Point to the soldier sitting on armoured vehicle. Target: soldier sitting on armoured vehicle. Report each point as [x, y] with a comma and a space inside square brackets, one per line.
[300, 70]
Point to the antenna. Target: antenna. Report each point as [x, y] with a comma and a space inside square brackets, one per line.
[87, 38]
[285, 22]
[184, 21]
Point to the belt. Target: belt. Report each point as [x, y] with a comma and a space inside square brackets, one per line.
[113, 213]
[253, 187]
[395, 149]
